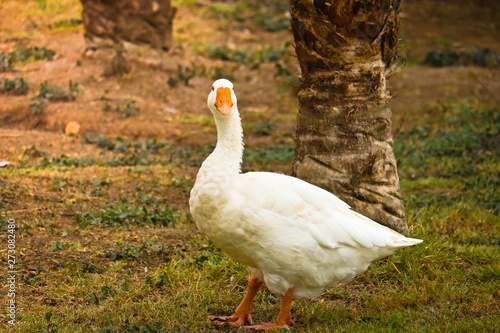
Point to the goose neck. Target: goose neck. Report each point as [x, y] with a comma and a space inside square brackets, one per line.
[229, 148]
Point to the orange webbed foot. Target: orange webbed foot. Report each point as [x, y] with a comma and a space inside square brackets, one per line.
[234, 320]
[284, 319]
[242, 314]
[269, 326]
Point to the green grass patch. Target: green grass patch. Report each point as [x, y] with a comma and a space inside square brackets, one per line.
[450, 175]
[476, 57]
[251, 57]
[269, 153]
[270, 16]
[118, 214]
[134, 251]
[23, 55]
[125, 107]
[16, 86]
[272, 23]
[65, 23]
[49, 93]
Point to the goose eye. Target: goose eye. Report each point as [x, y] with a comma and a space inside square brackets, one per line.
[212, 88]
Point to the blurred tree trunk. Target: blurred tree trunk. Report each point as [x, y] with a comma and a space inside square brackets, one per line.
[108, 22]
[346, 50]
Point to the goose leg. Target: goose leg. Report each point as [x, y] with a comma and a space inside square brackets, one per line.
[284, 319]
[242, 314]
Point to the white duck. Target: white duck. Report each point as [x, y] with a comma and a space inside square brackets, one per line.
[296, 238]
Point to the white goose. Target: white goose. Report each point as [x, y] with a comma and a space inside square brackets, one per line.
[296, 238]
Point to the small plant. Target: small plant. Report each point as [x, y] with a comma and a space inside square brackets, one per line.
[72, 22]
[34, 277]
[478, 57]
[180, 181]
[269, 54]
[131, 251]
[38, 106]
[59, 94]
[130, 108]
[223, 52]
[253, 58]
[17, 86]
[58, 184]
[96, 188]
[11, 191]
[270, 153]
[290, 81]
[57, 246]
[118, 65]
[37, 53]
[122, 214]
[8, 59]
[49, 93]
[34, 152]
[270, 23]
[50, 326]
[66, 161]
[100, 140]
[266, 128]
[227, 11]
[217, 73]
[42, 4]
[125, 107]
[105, 292]
[88, 267]
[185, 74]
[157, 280]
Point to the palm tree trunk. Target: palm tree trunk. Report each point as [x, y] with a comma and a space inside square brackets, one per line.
[108, 22]
[346, 50]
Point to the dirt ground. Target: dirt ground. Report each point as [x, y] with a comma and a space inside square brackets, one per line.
[173, 114]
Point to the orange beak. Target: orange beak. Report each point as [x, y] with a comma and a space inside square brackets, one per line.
[223, 101]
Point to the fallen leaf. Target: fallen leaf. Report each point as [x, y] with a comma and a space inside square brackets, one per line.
[72, 128]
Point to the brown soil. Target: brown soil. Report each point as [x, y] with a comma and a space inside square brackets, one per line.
[171, 113]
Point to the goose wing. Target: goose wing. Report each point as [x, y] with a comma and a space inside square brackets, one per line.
[296, 207]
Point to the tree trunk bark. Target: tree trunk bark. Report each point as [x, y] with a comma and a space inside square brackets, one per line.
[108, 22]
[346, 49]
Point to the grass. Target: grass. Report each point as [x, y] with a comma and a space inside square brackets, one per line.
[122, 214]
[119, 260]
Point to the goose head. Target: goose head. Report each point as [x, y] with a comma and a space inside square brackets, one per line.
[222, 99]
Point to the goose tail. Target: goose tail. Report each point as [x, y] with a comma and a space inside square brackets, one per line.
[406, 241]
